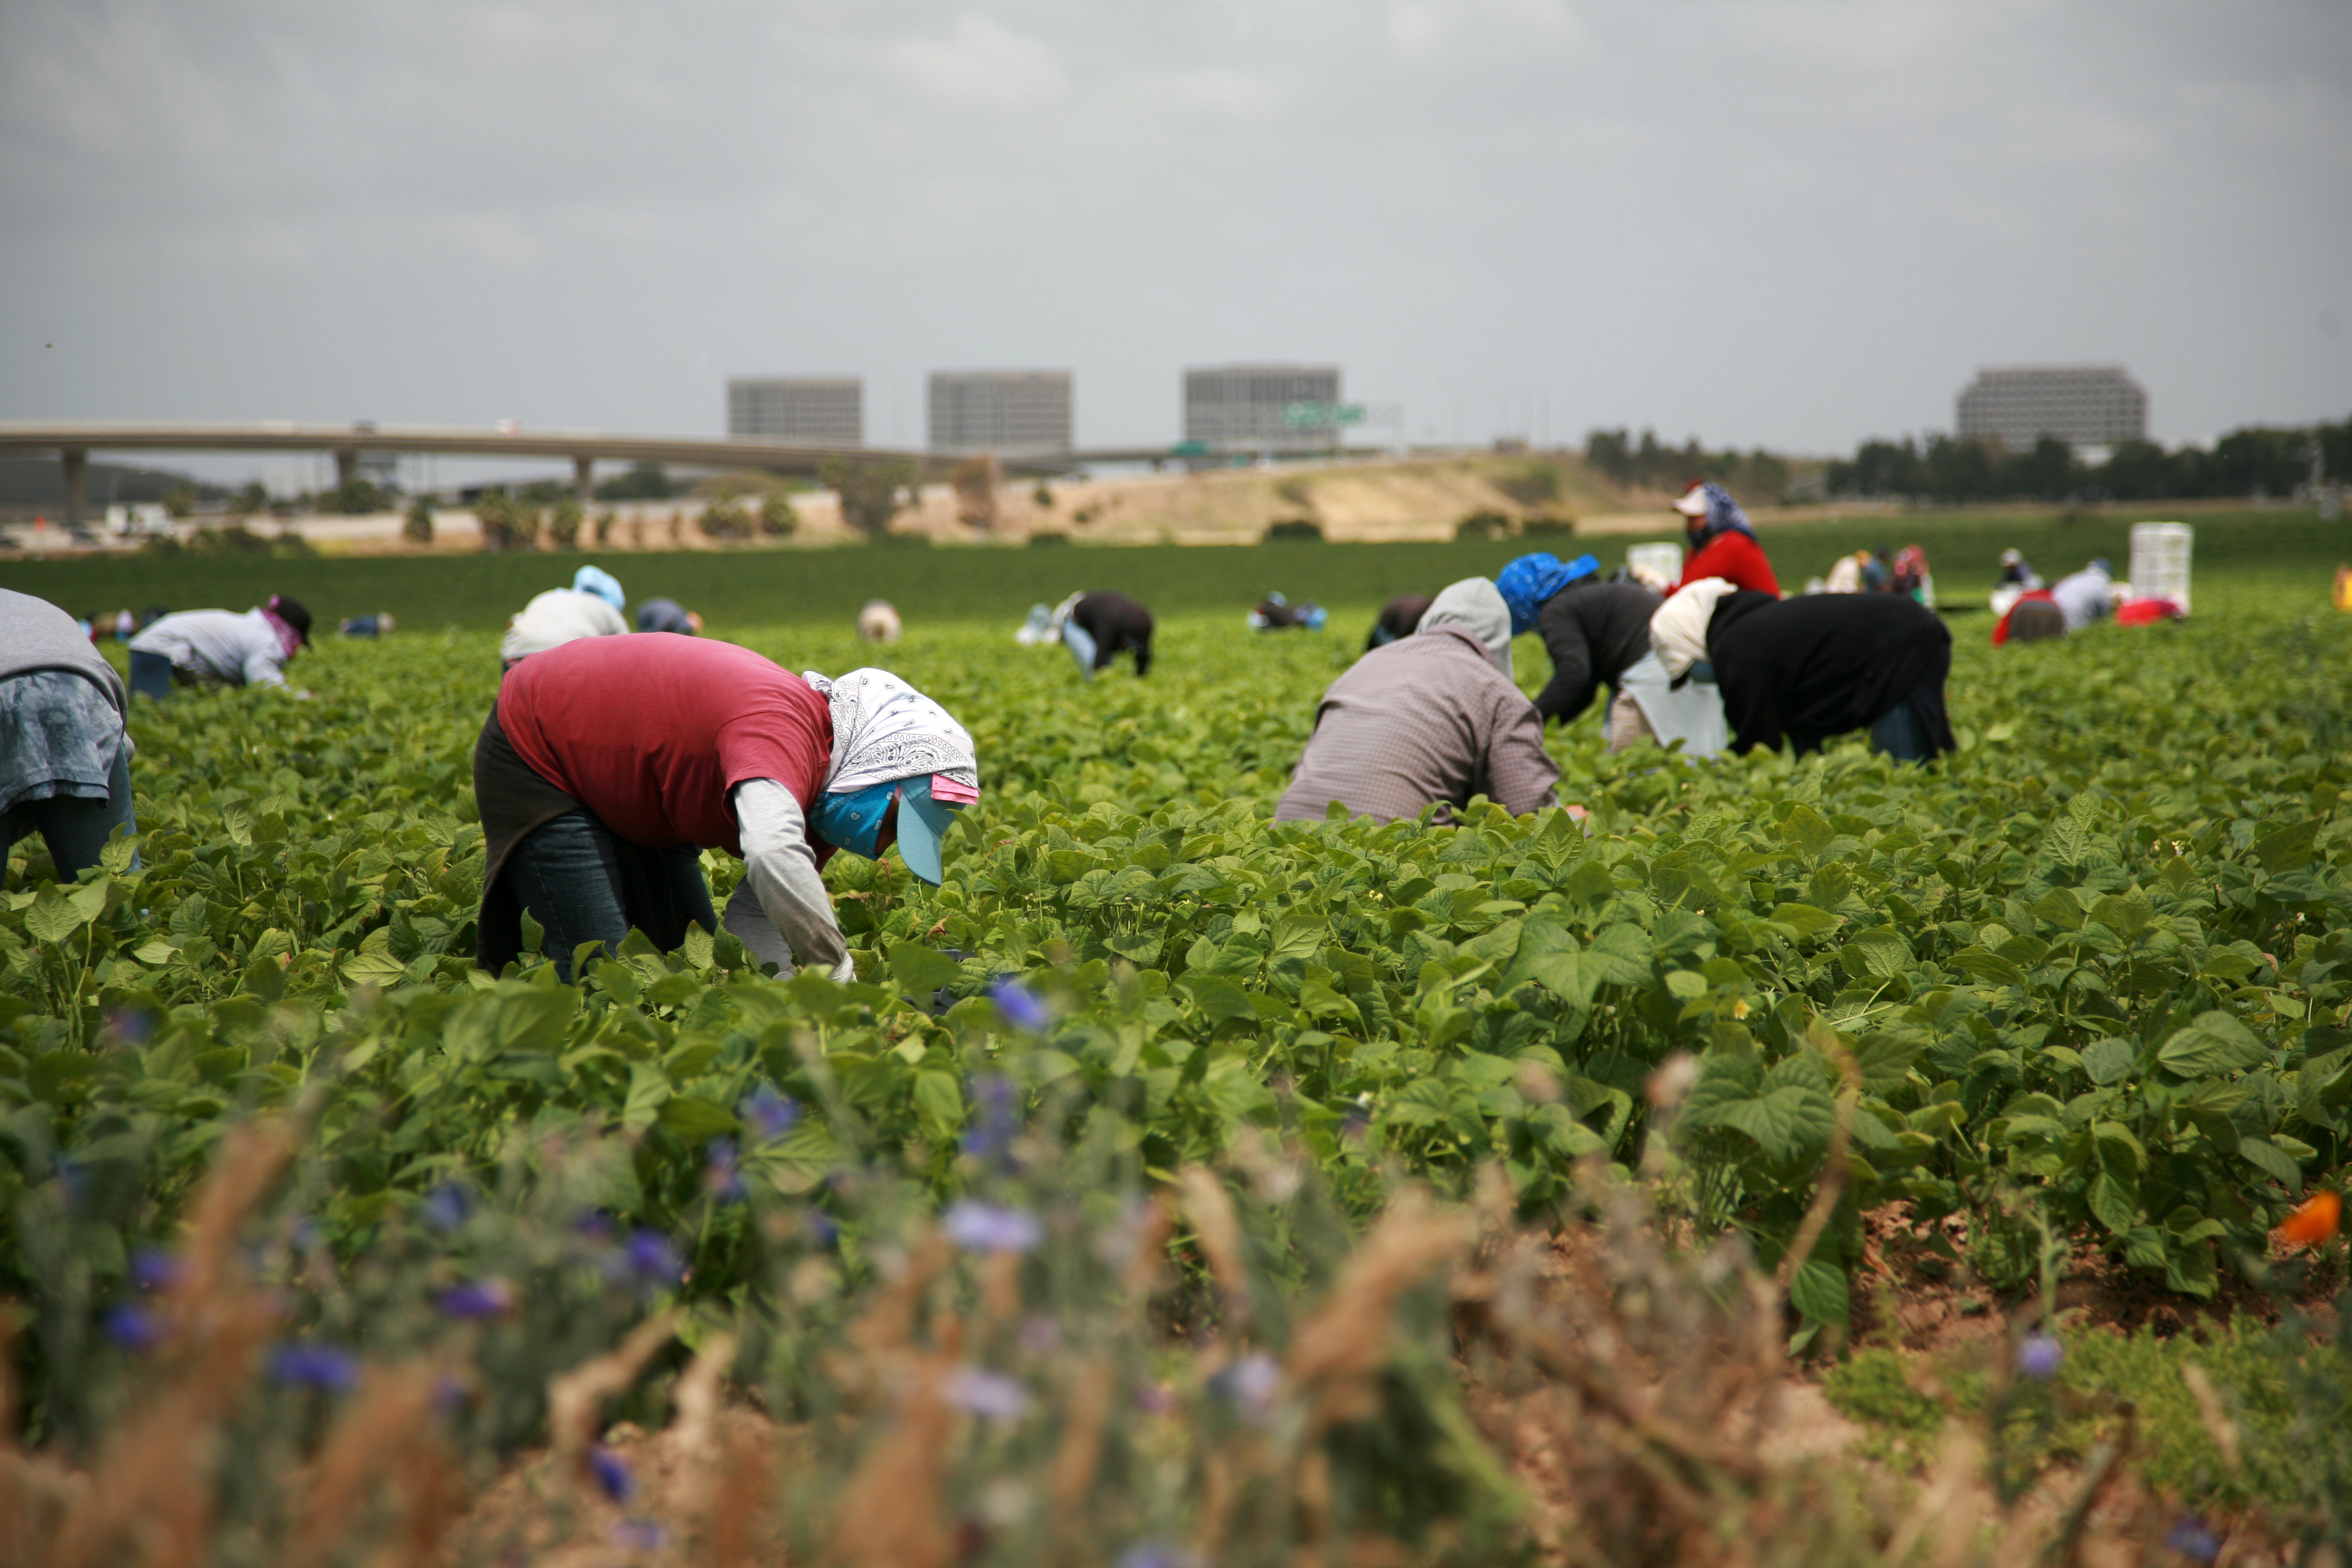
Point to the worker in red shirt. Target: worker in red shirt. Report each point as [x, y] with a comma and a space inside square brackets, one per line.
[610, 763]
[1722, 544]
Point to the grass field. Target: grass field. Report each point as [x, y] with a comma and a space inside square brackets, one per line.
[2274, 552]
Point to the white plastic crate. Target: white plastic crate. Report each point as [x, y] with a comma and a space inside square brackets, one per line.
[1664, 560]
[2159, 561]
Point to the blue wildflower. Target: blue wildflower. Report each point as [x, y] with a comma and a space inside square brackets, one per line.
[639, 1534]
[985, 1227]
[151, 1269]
[768, 1113]
[1156, 1554]
[1020, 1007]
[2193, 1539]
[823, 1230]
[721, 1176]
[991, 1395]
[446, 1207]
[1249, 1384]
[478, 1299]
[992, 1134]
[133, 1328]
[2038, 1355]
[315, 1366]
[652, 1256]
[612, 1473]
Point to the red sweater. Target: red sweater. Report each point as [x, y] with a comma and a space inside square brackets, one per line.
[1735, 557]
[650, 731]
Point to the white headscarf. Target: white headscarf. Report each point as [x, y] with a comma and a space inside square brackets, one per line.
[1678, 630]
[1476, 605]
[884, 730]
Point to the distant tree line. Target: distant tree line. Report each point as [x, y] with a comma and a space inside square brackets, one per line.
[2254, 461]
[1651, 464]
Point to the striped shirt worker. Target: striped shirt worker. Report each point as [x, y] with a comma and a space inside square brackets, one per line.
[1430, 717]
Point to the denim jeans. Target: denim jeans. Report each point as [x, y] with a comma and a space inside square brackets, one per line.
[1901, 735]
[151, 675]
[75, 830]
[582, 884]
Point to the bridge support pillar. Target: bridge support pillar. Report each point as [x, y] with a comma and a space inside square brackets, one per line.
[584, 481]
[347, 466]
[76, 466]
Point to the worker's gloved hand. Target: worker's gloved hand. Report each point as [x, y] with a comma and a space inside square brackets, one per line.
[845, 972]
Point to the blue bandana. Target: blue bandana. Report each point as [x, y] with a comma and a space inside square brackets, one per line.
[1531, 580]
[853, 821]
[1723, 515]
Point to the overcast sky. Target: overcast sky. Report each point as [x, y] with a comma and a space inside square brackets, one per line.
[1790, 222]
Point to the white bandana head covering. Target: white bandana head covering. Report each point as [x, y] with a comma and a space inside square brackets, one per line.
[884, 730]
[1678, 630]
[1477, 607]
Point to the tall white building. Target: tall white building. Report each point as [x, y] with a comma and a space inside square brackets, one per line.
[1000, 411]
[1263, 407]
[2082, 405]
[816, 410]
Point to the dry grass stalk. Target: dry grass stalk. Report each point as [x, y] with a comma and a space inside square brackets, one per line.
[393, 1413]
[1146, 1263]
[149, 1497]
[738, 1503]
[1211, 1210]
[1341, 1348]
[893, 1510]
[575, 1399]
[1070, 1479]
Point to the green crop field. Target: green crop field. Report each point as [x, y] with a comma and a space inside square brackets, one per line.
[2075, 996]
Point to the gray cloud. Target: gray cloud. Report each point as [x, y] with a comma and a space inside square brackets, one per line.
[1788, 222]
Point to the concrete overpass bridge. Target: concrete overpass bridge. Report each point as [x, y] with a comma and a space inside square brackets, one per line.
[74, 441]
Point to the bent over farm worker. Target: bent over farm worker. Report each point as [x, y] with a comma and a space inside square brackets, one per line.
[1595, 631]
[220, 647]
[1722, 542]
[609, 763]
[64, 758]
[1097, 626]
[1434, 718]
[1807, 669]
[590, 607]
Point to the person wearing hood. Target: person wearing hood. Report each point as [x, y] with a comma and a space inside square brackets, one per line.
[1722, 542]
[1096, 628]
[1594, 630]
[590, 607]
[220, 647]
[65, 757]
[1274, 613]
[1431, 718]
[1397, 619]
[1805, 669]
[2085, 596]
[608, 764]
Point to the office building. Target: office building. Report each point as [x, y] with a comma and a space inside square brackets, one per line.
[1000, 411]
[1263, 407]
[813, 410]
[2082, 405]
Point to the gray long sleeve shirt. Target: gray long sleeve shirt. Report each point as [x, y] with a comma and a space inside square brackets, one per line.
[1594, 632]
[36, 635]
[779, 911]
[1427, 717]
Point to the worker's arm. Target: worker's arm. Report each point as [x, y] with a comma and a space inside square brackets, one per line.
[1570, 691]
[1519, 772]
[787, 918]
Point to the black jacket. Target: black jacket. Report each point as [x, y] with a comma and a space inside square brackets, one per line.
[1592, 631]
[1118, 625]
[1805, 669]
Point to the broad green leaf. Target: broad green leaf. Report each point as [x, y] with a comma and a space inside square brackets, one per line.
[2109, 1060]
[2288, 848]
[2113, 1203]
[1819, 1291]
[53, 917]
[1808, 832]
[939, 1100]
[2214, 1044]
[1989, 966]
[2272, 1160]
[919, 970]
[695, 1118]
[1805, 919]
